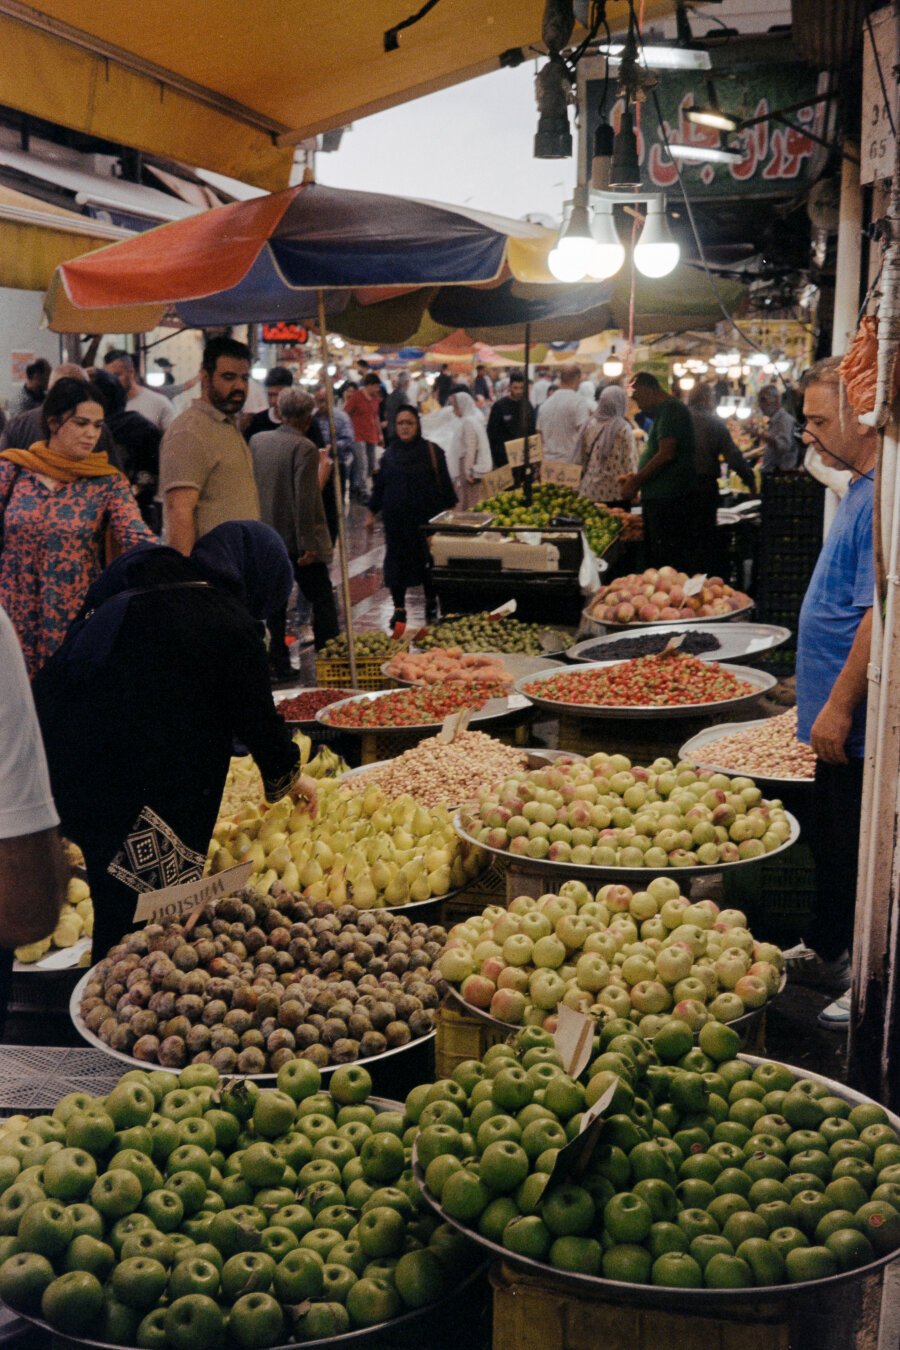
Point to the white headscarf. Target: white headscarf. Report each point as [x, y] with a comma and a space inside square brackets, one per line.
[470, 414]
[608, 419]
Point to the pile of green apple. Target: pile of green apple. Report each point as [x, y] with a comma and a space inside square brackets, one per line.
[707, 1171]
[607, 812]
[192, 1212]
[642, 954]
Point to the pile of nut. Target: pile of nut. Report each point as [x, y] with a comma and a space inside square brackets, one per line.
[771, 750]
[264, 980]
[437, 772]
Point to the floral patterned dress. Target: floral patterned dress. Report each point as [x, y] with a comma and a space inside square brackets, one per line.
[52, 546]
[602, 470]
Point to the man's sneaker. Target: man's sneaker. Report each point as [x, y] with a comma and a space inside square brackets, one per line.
[836, 1017]
[804, 966]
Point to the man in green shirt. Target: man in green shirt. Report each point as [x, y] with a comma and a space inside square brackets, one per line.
[665, 478]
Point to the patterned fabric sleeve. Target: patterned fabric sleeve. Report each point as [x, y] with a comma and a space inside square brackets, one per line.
[124, 516]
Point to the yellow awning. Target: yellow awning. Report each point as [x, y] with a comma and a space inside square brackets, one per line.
[36, 237]
[234, 88]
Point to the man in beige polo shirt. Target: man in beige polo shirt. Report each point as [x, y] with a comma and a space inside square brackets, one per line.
[205, 466]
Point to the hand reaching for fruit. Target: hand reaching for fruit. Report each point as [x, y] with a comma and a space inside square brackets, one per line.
[305, 790]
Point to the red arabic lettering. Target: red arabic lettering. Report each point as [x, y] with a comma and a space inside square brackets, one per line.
[790, 147]
[755, 143]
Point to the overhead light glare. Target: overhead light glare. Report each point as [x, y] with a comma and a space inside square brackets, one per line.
[155, 378]
[705, 154]
[686, 382]
[656, 253]
[659, 57]
[613, 366]
[743, 411]
[608, 253]
[259, 372]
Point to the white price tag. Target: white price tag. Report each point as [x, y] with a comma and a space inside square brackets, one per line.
[694, 585]
[175, 901]
[554, 471]
[574, 1038]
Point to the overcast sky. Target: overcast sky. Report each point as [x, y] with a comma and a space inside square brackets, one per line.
[471, 145]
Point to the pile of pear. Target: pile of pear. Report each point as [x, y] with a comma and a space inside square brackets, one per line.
[76, 920]
[361, 848]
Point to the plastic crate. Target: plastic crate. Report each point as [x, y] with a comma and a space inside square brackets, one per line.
[332, 673]
[778, 895]
[460, 1037]
[33, 1078]
[488, 889]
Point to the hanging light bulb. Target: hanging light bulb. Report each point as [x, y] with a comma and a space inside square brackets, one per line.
[613, 365]
[679, 368]
[656, 253]
[710, 114]
[743, 411]
[608, 253]
[757, 359]
[782, 366]
[155, 378]
[734, 372]
[686, 382]
[575, 252]
[259, 372]
[698, 367]
[726, 407]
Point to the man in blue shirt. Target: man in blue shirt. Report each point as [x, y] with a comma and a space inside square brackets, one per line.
[832, 663]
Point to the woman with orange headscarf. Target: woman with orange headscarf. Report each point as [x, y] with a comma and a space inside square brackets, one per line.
[64, 510]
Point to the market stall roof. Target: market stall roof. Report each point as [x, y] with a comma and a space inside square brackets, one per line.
[35, 238]
[267, 258]
[235, 88]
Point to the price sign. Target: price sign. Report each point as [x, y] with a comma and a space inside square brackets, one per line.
[554, 471]
[175, 901]
[498, 480]
[574, 1039]
[515, 451]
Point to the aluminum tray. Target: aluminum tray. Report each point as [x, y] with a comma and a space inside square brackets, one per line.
[55, 960]
[698, 1301]
[762, 682]
[543, 866]
[515, 664]
[292, 691]
[493, 711]
[608, 625]
[743, 1024]
[695, 750]
[737, 641]
[93, 1039]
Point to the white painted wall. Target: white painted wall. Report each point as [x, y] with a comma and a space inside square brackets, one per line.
[20, 331]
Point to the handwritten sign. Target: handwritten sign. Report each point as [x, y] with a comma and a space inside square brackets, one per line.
[554, 471]
[174, 901]
[498, 480]
[515, 451]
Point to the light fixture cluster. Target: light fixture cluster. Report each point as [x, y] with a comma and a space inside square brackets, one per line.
[589, 248]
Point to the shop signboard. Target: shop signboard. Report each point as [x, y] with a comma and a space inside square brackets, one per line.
[778, 159]
[880, 102]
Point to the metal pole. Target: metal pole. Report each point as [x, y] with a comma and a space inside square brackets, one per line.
[527, 470]
[338, 492]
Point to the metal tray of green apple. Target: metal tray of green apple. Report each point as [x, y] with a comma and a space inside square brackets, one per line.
[760, 680]
[743, 1024]
[93, 1039]
[406, 1322]
[700, 750]
[667, 1297]
[493, 711]
[547, 867]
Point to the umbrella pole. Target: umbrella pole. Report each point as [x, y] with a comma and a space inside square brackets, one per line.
[527, 470]
[338, 491]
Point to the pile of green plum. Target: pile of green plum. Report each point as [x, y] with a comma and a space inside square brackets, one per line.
[191, 1212]
[709, 1171]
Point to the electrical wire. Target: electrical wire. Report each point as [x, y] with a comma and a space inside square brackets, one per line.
[690, 214]
[884, 93]
[392, 35]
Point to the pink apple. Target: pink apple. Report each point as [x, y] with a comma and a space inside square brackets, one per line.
[752, 990]
[692, 1011]
[492, 968]
[513, 977]
[507, 1005]
[478, 991]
